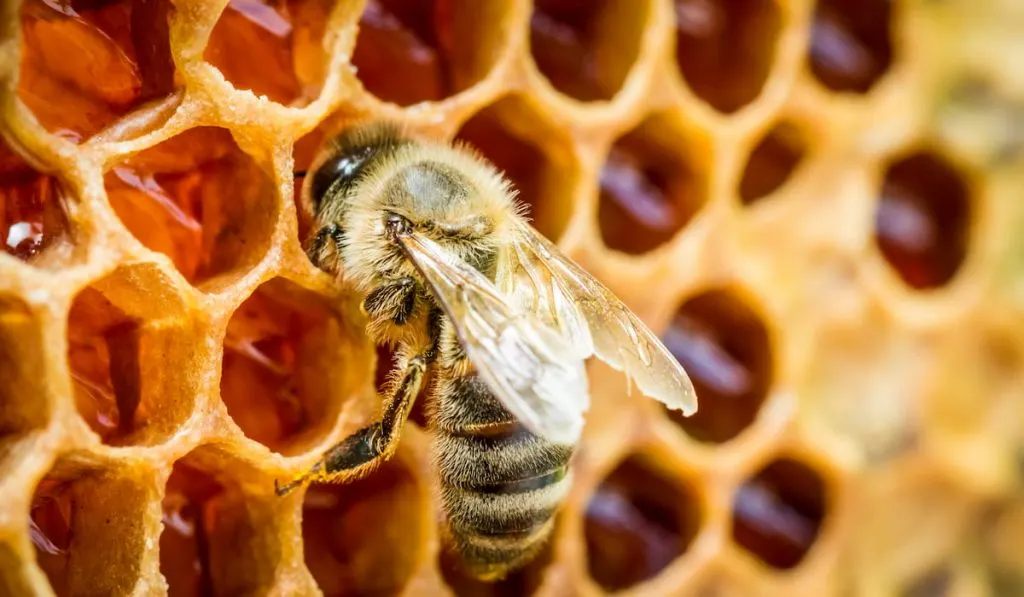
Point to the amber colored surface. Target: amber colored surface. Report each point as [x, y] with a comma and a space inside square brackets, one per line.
[184, 546]
[726, 48]
[84, 64]
[637, 523]
[772, 162]
[50, 531]
[778, 512]
[31, 215]
[922, 219]
[724, 347]
[851, 43]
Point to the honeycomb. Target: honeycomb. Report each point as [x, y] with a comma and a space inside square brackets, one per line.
[813, 203]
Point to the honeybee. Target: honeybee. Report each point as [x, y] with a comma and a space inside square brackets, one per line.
[431, 237]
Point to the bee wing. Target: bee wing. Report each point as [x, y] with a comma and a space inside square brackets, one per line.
[552, 286]
[527, 365]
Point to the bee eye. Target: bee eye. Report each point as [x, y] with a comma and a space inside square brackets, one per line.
[342, 169]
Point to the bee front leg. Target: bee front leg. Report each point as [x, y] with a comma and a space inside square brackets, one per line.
[359, 453]
[318, 252]
[394, 301]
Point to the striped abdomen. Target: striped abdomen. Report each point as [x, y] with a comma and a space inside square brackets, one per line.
[501, 486]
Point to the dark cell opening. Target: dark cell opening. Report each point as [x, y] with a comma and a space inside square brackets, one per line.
[637, 523]
[184, 542]
[772, 162]
[725, 48]
[32, 217]
[86, 64]
[922, 220]
[778, 512]
[936, 583]
[364, 537]
[586, 48]
[648, 192]
[851, 44]
[50, 531]
[724, 347]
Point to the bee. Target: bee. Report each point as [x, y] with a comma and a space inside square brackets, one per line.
[433, 240]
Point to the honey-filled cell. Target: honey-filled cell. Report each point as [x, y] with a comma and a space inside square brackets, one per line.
[412, 51]
[587, 48]
[289, 364]
[851, 43]
[639, 520]
[50, 531]
[22, 367]
[273, 48]
[365, 537]
[33, 224]
[651, 186]
[85, 64]
[724, 346]
[200, 200]
[772, 162]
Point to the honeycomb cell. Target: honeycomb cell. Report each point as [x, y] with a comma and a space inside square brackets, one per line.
[772, 162]
[922, 219]
[365, 537]
[273, 48]
[22, 368]
[725, 49]
[85, 64]
[851, 43]
[33, 225]
[123, 331]
[543, 174]
[638, 521]
[88, 533]
[724, 346]
[412, 51]
[184, 545]
[778, 512]
[288, 365]
[652, 184]
[200, 200]
[586, 49]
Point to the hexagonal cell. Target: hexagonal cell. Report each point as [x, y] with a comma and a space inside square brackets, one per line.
[922, 220]
[365, 537]
[772, 162]
[586, 49]
[88, 533]
[724, 345]
[652, 184]
[33, 225]
[290, 363]
[123, 331]
[778, 512]
[216, 540]
[542, 172]
[725, 49]
[412, 51]
[639, 520]
[851, 43]
[200, 200]
[22, 367]
[85, 64]
[272, 47]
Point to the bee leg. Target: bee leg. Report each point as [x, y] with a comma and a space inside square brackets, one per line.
[360, 452]
[317, 249]
[394, 301]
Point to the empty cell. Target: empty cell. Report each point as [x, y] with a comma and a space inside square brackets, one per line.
[85, 64]
[772, 162]
[50, 531]
[33, 225]
[851, 43]
[289, 363]
[365, 537]
[586, 48]
[543, 178]
[724, 346]
[922, 219]
[638, 521]
[725, 48]
[22, 368]
[649, 189]
[184, 545]
[127, 344]
[200, 200]
[778, 512]
[273, 48]
[411, 51]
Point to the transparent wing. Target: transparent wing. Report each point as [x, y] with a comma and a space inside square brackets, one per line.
[550, 285]
[527, 365]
